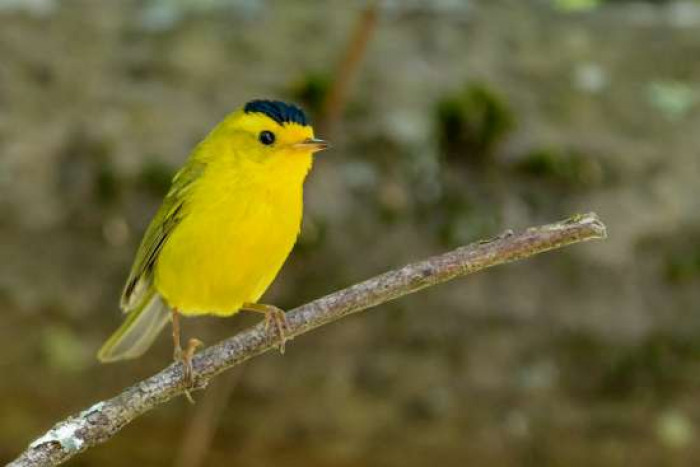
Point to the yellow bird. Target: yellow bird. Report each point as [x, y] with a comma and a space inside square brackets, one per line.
[225, 228]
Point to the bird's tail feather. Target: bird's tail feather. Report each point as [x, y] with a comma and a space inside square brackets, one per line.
[137, 333]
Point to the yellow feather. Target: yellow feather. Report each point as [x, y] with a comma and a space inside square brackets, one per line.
[242, 224]
[227, 225]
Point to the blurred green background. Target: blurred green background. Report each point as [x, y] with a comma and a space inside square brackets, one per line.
[451, 120]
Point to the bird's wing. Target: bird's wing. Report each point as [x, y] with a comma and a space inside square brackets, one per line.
[139, 330]
[139, 285]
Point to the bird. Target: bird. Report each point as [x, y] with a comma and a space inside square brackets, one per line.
[221, 235]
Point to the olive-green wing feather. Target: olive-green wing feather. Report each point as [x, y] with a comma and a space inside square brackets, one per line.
[137, 332]
[147, 313]
[140, 282]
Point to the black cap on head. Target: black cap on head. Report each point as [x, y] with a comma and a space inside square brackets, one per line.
[279, 111]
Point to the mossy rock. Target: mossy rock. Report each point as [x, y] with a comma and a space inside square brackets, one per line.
[311, 91]
[564, 167]
[155, 177]
[472, 124]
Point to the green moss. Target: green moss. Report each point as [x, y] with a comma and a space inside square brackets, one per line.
[473, 123]
[606, 370]
[311, 91]
[106, 183]
[683, 266]
[676, 254]
[462, 220]
[576, 5]
[654, 364]
[569, 168]
[155, 177]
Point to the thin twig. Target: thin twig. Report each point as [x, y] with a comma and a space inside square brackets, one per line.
[104, 419]
[337, 96]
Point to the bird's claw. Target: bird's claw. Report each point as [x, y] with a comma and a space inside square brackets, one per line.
[185, 357]
[277, 318]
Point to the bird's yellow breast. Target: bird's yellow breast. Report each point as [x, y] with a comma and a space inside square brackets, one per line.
[236, 233]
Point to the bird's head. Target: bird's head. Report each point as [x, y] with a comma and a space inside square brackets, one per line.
[265, 134]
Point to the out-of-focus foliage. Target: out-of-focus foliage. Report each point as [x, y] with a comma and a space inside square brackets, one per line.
[674, 99]
[571, 169]
[311, 91]
[473, 123]
[465, 118]
[576, 5]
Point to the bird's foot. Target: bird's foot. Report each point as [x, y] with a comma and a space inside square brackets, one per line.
[185, 357]
[274, 317]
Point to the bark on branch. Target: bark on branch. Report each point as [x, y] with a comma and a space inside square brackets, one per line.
[104, 419]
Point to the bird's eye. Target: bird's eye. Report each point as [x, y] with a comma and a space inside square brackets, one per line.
[266, 137]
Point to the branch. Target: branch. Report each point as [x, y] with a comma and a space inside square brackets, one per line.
[337, 95]
[104, 419]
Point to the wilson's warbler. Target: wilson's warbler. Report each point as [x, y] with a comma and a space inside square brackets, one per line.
[225, 228]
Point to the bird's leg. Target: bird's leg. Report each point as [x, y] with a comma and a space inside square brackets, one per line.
[184, 356]
[177, 348]
[192, 345]
[273, 317]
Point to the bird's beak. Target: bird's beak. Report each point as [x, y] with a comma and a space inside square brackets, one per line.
[312, 144]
